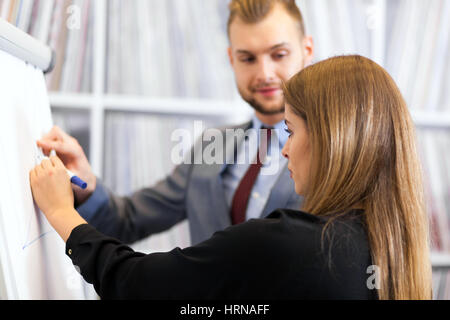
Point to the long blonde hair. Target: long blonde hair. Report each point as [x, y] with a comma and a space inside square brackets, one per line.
[364, 156]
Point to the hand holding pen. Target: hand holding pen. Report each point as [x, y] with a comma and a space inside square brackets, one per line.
[73, 157]
[73, 177]
[53, 194]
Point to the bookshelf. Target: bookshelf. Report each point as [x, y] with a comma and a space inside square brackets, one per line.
[98, 102]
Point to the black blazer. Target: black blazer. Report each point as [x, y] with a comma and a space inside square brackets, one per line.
[280, 257]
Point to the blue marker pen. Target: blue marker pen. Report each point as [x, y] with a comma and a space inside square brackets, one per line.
[76, 180]
[73, 177]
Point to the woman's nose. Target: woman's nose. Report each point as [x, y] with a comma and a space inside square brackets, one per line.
[284, 151]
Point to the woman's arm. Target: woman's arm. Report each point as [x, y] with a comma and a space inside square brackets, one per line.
[229, 265]
[52, 191]
[224, 266]
[115, 269]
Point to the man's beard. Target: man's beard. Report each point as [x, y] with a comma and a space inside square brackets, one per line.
[260, 108]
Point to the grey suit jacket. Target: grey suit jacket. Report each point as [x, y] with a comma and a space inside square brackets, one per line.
[192, 191]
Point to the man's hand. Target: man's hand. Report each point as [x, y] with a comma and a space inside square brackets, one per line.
[52, 191]
[70, 152]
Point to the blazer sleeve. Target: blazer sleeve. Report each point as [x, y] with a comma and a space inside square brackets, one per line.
[145, 212]
[210, 269]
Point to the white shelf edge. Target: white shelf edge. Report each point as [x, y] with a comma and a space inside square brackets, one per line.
[71, 100]
[440, 259]
[431, 119]
[173, 105]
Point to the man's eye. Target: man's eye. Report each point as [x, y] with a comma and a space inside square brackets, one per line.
[280, 55]
[248, 59]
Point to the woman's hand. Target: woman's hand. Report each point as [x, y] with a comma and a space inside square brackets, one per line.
[71, 154]
[52, 191]
[51, 186]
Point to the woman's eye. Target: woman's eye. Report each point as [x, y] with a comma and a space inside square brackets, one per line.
[289, 132]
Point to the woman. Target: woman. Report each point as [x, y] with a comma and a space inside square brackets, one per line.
[352, 156]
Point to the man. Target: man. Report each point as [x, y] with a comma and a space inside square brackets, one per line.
[267, 46]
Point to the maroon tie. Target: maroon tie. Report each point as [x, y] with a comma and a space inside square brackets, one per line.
[242, 194]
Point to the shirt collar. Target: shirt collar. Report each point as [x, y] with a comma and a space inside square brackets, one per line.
[280, 129]
[281, 133]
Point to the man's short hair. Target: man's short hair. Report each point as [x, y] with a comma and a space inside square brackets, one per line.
[254, 11]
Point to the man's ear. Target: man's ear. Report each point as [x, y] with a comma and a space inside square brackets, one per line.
[230, 56]
[308, 50]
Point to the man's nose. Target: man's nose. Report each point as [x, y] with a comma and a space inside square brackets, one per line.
[266, 71]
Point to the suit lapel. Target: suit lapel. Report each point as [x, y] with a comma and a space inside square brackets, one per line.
[219, 202]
